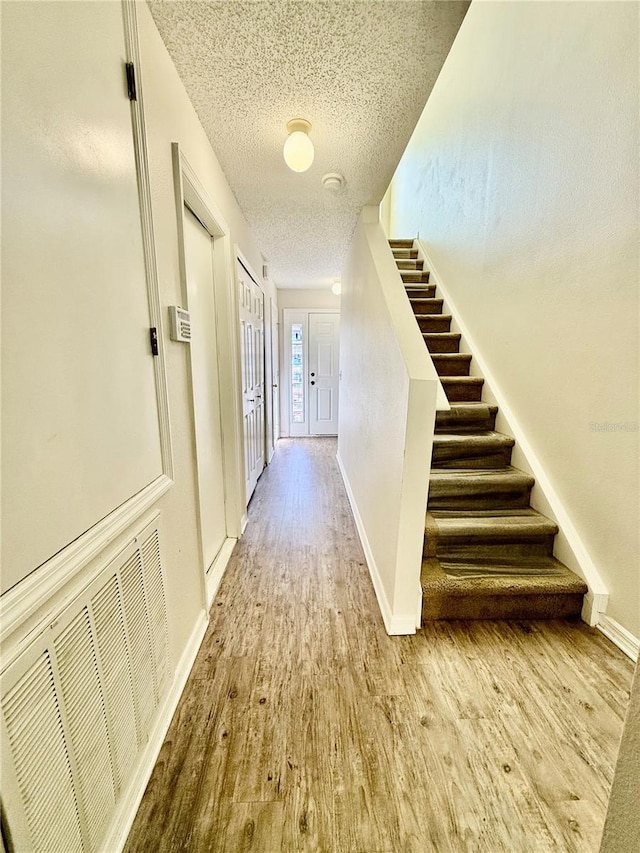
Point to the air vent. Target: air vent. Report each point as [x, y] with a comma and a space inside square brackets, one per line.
[79, 704]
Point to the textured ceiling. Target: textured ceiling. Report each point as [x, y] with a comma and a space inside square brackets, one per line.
[360, 72]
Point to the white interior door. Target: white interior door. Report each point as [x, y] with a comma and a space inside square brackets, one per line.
[324, 349]
[198, 245]
[251, 311]
[275, 372]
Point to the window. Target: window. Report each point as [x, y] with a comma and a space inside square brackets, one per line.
[297, 374]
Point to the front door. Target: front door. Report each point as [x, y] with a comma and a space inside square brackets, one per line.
[324, 342]
[251, 309]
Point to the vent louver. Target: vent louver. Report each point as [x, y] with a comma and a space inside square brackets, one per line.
[78, 705]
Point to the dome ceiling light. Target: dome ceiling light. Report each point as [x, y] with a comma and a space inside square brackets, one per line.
[298, 148]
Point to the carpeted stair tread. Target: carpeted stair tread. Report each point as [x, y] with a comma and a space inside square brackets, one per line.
[451, 363]
[442, 341]
[409, 264]
[477, 488]
[500, 590]
[414, 276]
[429, 323]
[425, 305]
[462, 389]
[401, 243]
[497, 528]
[472, 478]
[420, 292]
[488, 449]
[465, 418]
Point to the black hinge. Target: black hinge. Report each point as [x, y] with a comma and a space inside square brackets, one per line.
[131, 81]
[153, 337]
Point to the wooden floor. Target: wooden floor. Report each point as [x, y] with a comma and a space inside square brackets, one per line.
[304, 727]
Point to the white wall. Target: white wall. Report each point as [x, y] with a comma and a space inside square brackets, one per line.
[171, 118]
[78, 374]
[522, 178]
[387, 412]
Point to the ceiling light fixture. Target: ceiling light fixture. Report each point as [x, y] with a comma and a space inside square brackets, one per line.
[298, 148]
[336, 287]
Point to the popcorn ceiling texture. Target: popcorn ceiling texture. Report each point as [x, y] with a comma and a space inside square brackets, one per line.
[360, 72]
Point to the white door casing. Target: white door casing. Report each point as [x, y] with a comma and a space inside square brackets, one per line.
[275, 372]
[198, 245]
[324, 354]
[251, 314]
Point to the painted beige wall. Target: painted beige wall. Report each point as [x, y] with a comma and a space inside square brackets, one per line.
[622, 825]
[170, 117]
[522, 178]
[387, 411]
[306, 298]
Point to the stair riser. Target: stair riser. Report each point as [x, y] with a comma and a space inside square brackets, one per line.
[433, 323]
[482, 498]
[409, 264]
[426, 306]
[463, 423]
[451, 457]
[442, 345]
[405, 254]
[398, 243]
[493, 551]
[451, 366]
[538, 606]
[414, 276]
[462, 392]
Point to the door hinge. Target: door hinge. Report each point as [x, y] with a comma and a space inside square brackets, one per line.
[153, 337]
[131, 81]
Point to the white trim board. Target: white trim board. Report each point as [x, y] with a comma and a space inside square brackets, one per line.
[397, 623]
[595, 601]
[619, 636]
[63, 572]
[217, 569]
[131, 798]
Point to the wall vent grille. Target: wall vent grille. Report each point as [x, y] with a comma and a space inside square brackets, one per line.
[79, 704]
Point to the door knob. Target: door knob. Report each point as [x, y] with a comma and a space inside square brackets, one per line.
[312, 374]
[312, 382]
[275, 384]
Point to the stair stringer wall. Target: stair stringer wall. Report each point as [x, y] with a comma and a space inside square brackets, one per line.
[388, 400]
[569, 547]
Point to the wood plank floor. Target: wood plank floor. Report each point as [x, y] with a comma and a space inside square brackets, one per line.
[304, 727]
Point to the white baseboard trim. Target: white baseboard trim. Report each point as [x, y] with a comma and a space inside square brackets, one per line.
[217, 569]
[618, 635]
[243, 523]
[596, 599]
[395, 623]
[131, 798]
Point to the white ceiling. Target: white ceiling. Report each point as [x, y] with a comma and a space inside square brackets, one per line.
[360, 72]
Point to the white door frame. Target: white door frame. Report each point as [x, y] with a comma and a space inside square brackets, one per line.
[242, 261]
[190, 191]
[288, 315]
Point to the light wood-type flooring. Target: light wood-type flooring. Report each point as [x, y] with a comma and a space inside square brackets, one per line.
[304, 727]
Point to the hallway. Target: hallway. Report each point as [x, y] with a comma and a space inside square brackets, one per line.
[304, 727]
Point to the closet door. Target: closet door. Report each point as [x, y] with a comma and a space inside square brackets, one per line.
[251, 310]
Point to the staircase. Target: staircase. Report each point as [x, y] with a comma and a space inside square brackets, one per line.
[487, 554]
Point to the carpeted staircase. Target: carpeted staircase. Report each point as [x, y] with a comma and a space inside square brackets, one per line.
[487, 554]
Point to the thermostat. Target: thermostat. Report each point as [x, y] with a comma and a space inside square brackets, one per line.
[180, 324]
